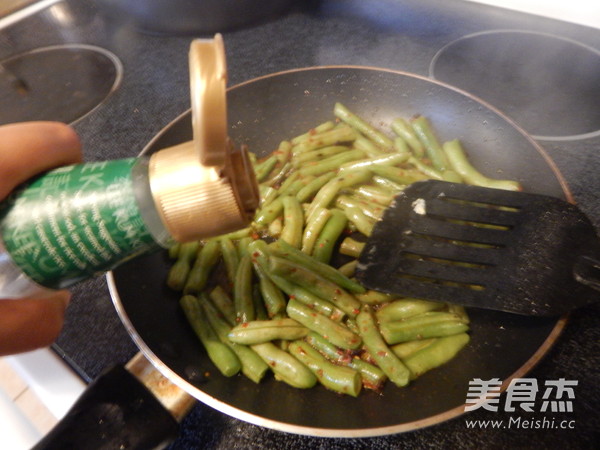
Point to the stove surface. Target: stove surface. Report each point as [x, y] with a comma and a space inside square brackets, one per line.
[408, 35]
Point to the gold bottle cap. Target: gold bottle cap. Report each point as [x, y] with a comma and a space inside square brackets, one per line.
[204, 187]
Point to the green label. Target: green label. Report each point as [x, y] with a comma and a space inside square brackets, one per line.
[74, 222]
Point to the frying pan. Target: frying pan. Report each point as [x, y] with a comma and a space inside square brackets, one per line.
[266, 110]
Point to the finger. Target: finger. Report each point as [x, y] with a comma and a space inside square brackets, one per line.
[28, 324]
[29, 148]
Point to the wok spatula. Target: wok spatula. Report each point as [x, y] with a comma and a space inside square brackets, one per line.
[509, 251]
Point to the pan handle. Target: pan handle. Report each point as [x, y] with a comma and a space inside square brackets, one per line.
[121, 409]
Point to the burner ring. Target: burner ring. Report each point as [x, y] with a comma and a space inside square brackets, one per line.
[62, 82]
[546, 83]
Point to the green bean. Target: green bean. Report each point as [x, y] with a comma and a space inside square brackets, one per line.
[260, 310]
[223, 302]
[374, 194]
[329, 235]
[220, 354]
[179, 271]
[279, 174]
[260, 331]
[372, 297]
[313, 229]
[275, 227]
[436, 354]
[459, 311]
[363, 223]
[252, 365]
[423, 326]
[207, 259]
[405, 349]
[372, 376]
[351, 247]
[336, 378]
[387, 361]
[315, 283]
[230, 258]
[405, 308]
[406, 132]
[388, 184]
[267, 194]
[243, 232]
[342, 112]
[242, 291]
[332, 137]
[432, 146]
[281, 248]
[333, 331]
[372, 210]
[328, 192]
[325, 126]
[271, 294]
[398, 175]
[293, 221]
[317, 155]
[369, 147]
[264, 168]
[331, 163]
[460, 163]
[348, 270]
[242, 246]
[313, 186]
[267, 214]
[174, 250]
[401, 146]
[426, 169]
[391, 159]
[283, 152]
[285, 366]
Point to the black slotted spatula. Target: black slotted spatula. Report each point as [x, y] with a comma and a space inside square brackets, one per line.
[488, 248]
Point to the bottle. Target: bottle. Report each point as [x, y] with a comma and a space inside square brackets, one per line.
[78, 221]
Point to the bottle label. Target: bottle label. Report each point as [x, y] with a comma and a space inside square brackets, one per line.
[74, 222]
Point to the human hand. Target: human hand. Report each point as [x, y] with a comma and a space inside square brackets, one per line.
[27, 149]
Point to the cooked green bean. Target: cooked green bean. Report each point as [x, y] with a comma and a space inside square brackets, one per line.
[207, 259]
[391, 159]
[331, 163]
[260, 310]
[336, 378]
[372, 210]
[223, 302]
[174, 250]
[328, 192]
[293, 221]
[220, 354]
[351, 247]
[285, 366]
[242, 291]
[404, 130]
[434, 151]
[264, 168]
[260, 331]
[267, 214]
[325, 126]
[329, 235]
[405, 308]
[397, 174]
[333, 331]
[374, 194]
[281, 248]
[428, 170]
[369, 147]
[315, 283]
[348, 269]
[386, 360]
[318, 155]
[341, 111]
[230, 258]
[332, 137]
[372, 297]
[439, 352]
[313, 187]
[422, 326]
[372, 376]
[405, 349]
[313, 229]
[252, 365]
[179, 271]
[272, 296]
[401, 146]
[362, 223]
[460, 163]
[388, 184]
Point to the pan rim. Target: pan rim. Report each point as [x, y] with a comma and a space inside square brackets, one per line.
[255, 419]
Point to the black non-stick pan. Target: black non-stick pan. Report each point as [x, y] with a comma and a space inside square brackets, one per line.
[264, 111]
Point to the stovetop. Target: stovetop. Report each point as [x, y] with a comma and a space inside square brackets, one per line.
[407, 35]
